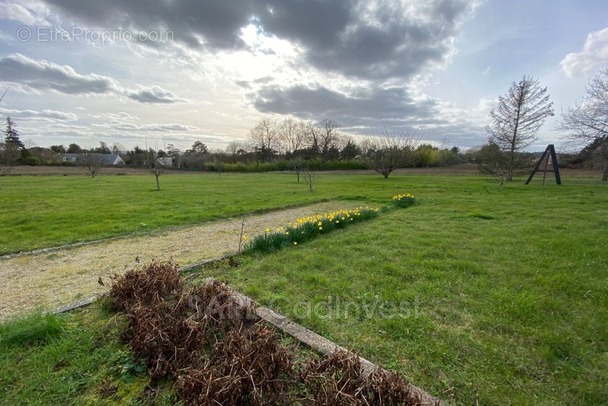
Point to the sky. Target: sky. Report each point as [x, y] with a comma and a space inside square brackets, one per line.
[159, 72]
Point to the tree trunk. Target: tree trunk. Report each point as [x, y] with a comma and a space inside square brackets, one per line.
[605, 174]
[157, 183]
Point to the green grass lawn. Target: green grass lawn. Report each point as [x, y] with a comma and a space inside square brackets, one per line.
[82, 363]
[49, 211]
[475, 294]
[478, 295]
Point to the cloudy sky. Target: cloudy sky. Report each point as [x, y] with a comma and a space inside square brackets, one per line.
[177, 71]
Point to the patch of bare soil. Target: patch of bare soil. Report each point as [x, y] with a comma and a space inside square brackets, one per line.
[49, 279]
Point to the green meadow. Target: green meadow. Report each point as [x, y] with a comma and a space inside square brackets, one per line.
[478, 295]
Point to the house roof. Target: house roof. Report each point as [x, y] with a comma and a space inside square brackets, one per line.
[106, 159]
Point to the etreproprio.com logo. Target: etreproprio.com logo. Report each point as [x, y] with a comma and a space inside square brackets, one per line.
[52, 34]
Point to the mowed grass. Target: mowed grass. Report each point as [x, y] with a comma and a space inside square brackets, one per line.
[39, 212]
[478, 295]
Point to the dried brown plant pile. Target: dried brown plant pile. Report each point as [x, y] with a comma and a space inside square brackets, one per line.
[339, 380]
[219, 352]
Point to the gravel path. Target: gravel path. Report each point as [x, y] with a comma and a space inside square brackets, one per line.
[49, 279]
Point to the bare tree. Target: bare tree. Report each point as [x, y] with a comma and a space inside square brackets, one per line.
[519, 116]
[156, 166]
[92, 162]
[493, 162]
[389, 151]
[236, 150]
[587, 122]
[323, 137]
[291, 134]
[264, 138]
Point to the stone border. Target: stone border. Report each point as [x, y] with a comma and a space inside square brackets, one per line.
[283, 323]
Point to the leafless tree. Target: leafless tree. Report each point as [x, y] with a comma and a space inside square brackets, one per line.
[389, 151]
[236, 150]
[264, 138]
[493, 162]
[292, 134]
[323, 137]
[587, 122]
[156, 166]
[92, 162]
[309, 178]
[519, 116]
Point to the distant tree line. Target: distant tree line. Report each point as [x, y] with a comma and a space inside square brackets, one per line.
[300, 145]
[288, 145]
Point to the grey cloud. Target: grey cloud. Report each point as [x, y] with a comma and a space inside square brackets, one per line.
[193, 22]
[376, 104]
[378, 41]
[365, 111]
[154, 95]
[47, 76]
[312, 24]
[367, 39]
[389, 41]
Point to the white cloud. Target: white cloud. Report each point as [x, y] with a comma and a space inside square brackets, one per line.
[28, 13]
[593, 55]
[41, 75]
[155, 127]
[44, 114]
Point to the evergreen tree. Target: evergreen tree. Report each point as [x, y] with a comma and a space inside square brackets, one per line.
[13, 146]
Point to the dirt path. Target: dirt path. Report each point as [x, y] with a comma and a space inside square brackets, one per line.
[47, 280]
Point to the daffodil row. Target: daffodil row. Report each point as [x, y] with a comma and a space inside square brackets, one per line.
[306, 228]
[403, 196]
[404, 200]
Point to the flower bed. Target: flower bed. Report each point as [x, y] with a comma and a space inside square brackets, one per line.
[306, 228]
[403, 200]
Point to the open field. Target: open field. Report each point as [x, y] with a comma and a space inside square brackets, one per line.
[478, 295]
[45, 211]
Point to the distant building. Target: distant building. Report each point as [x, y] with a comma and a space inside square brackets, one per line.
[165, 161]
[106, 159]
